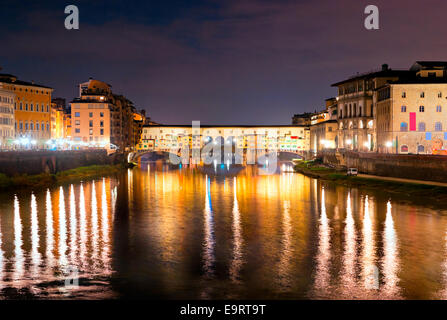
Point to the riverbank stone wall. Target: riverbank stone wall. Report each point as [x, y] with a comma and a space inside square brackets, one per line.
[36, 162]
[421, 167]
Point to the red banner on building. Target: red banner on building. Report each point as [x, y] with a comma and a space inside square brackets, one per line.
[412, 121]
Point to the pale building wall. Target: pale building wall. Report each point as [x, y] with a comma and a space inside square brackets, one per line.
[434, 111]
[323, 136]
[82, 131]
[7, 132]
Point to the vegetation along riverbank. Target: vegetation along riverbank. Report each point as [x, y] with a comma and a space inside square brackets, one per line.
[316, 169]
[46, 180]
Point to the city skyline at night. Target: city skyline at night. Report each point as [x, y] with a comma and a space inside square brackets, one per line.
[214, 61]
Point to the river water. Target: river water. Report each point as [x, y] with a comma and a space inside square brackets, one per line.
[181, 233]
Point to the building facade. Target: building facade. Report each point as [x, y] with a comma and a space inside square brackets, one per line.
[356, 110]
[412, 118]
[100, 118]
[91, 115]
[7, 130]
[32, 106]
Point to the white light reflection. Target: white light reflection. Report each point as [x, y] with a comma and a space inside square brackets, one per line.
[390, 262]
[19, 261]
[95, 235]
[238, 240]
[50, 234]
[369, 269]
[62, 231]
[350, 251]
[322, 276]
[35, 255]
[73, 228]
[208, 244]
[82, 227]
[105, 228]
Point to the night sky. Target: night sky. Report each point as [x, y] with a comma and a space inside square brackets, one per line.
[220, 62]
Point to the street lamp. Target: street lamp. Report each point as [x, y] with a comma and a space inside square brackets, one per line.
[388, 145]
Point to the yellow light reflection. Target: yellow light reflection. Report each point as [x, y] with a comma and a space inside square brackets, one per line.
[2, 257]
[286, 253]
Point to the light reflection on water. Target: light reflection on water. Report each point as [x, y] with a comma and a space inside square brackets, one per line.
[167, 233]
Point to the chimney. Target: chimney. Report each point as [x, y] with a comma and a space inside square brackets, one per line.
[384, 67]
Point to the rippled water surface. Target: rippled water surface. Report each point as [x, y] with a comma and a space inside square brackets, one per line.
[159, 232]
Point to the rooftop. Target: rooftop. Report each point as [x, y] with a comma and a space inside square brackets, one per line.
[226, 126]
[9, 78]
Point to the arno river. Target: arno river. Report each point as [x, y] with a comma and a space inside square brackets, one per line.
[163, 232]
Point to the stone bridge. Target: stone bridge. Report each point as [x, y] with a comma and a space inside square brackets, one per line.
[164, 155]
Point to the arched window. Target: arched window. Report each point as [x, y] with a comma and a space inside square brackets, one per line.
[403, 126]
[42, 127]
[438, 126]
[421, 148]
[404, 148]
[37, 126]
[403, 109]
[421, 126]
[31, 126]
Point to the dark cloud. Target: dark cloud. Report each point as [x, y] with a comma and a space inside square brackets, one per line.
[219, 61]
